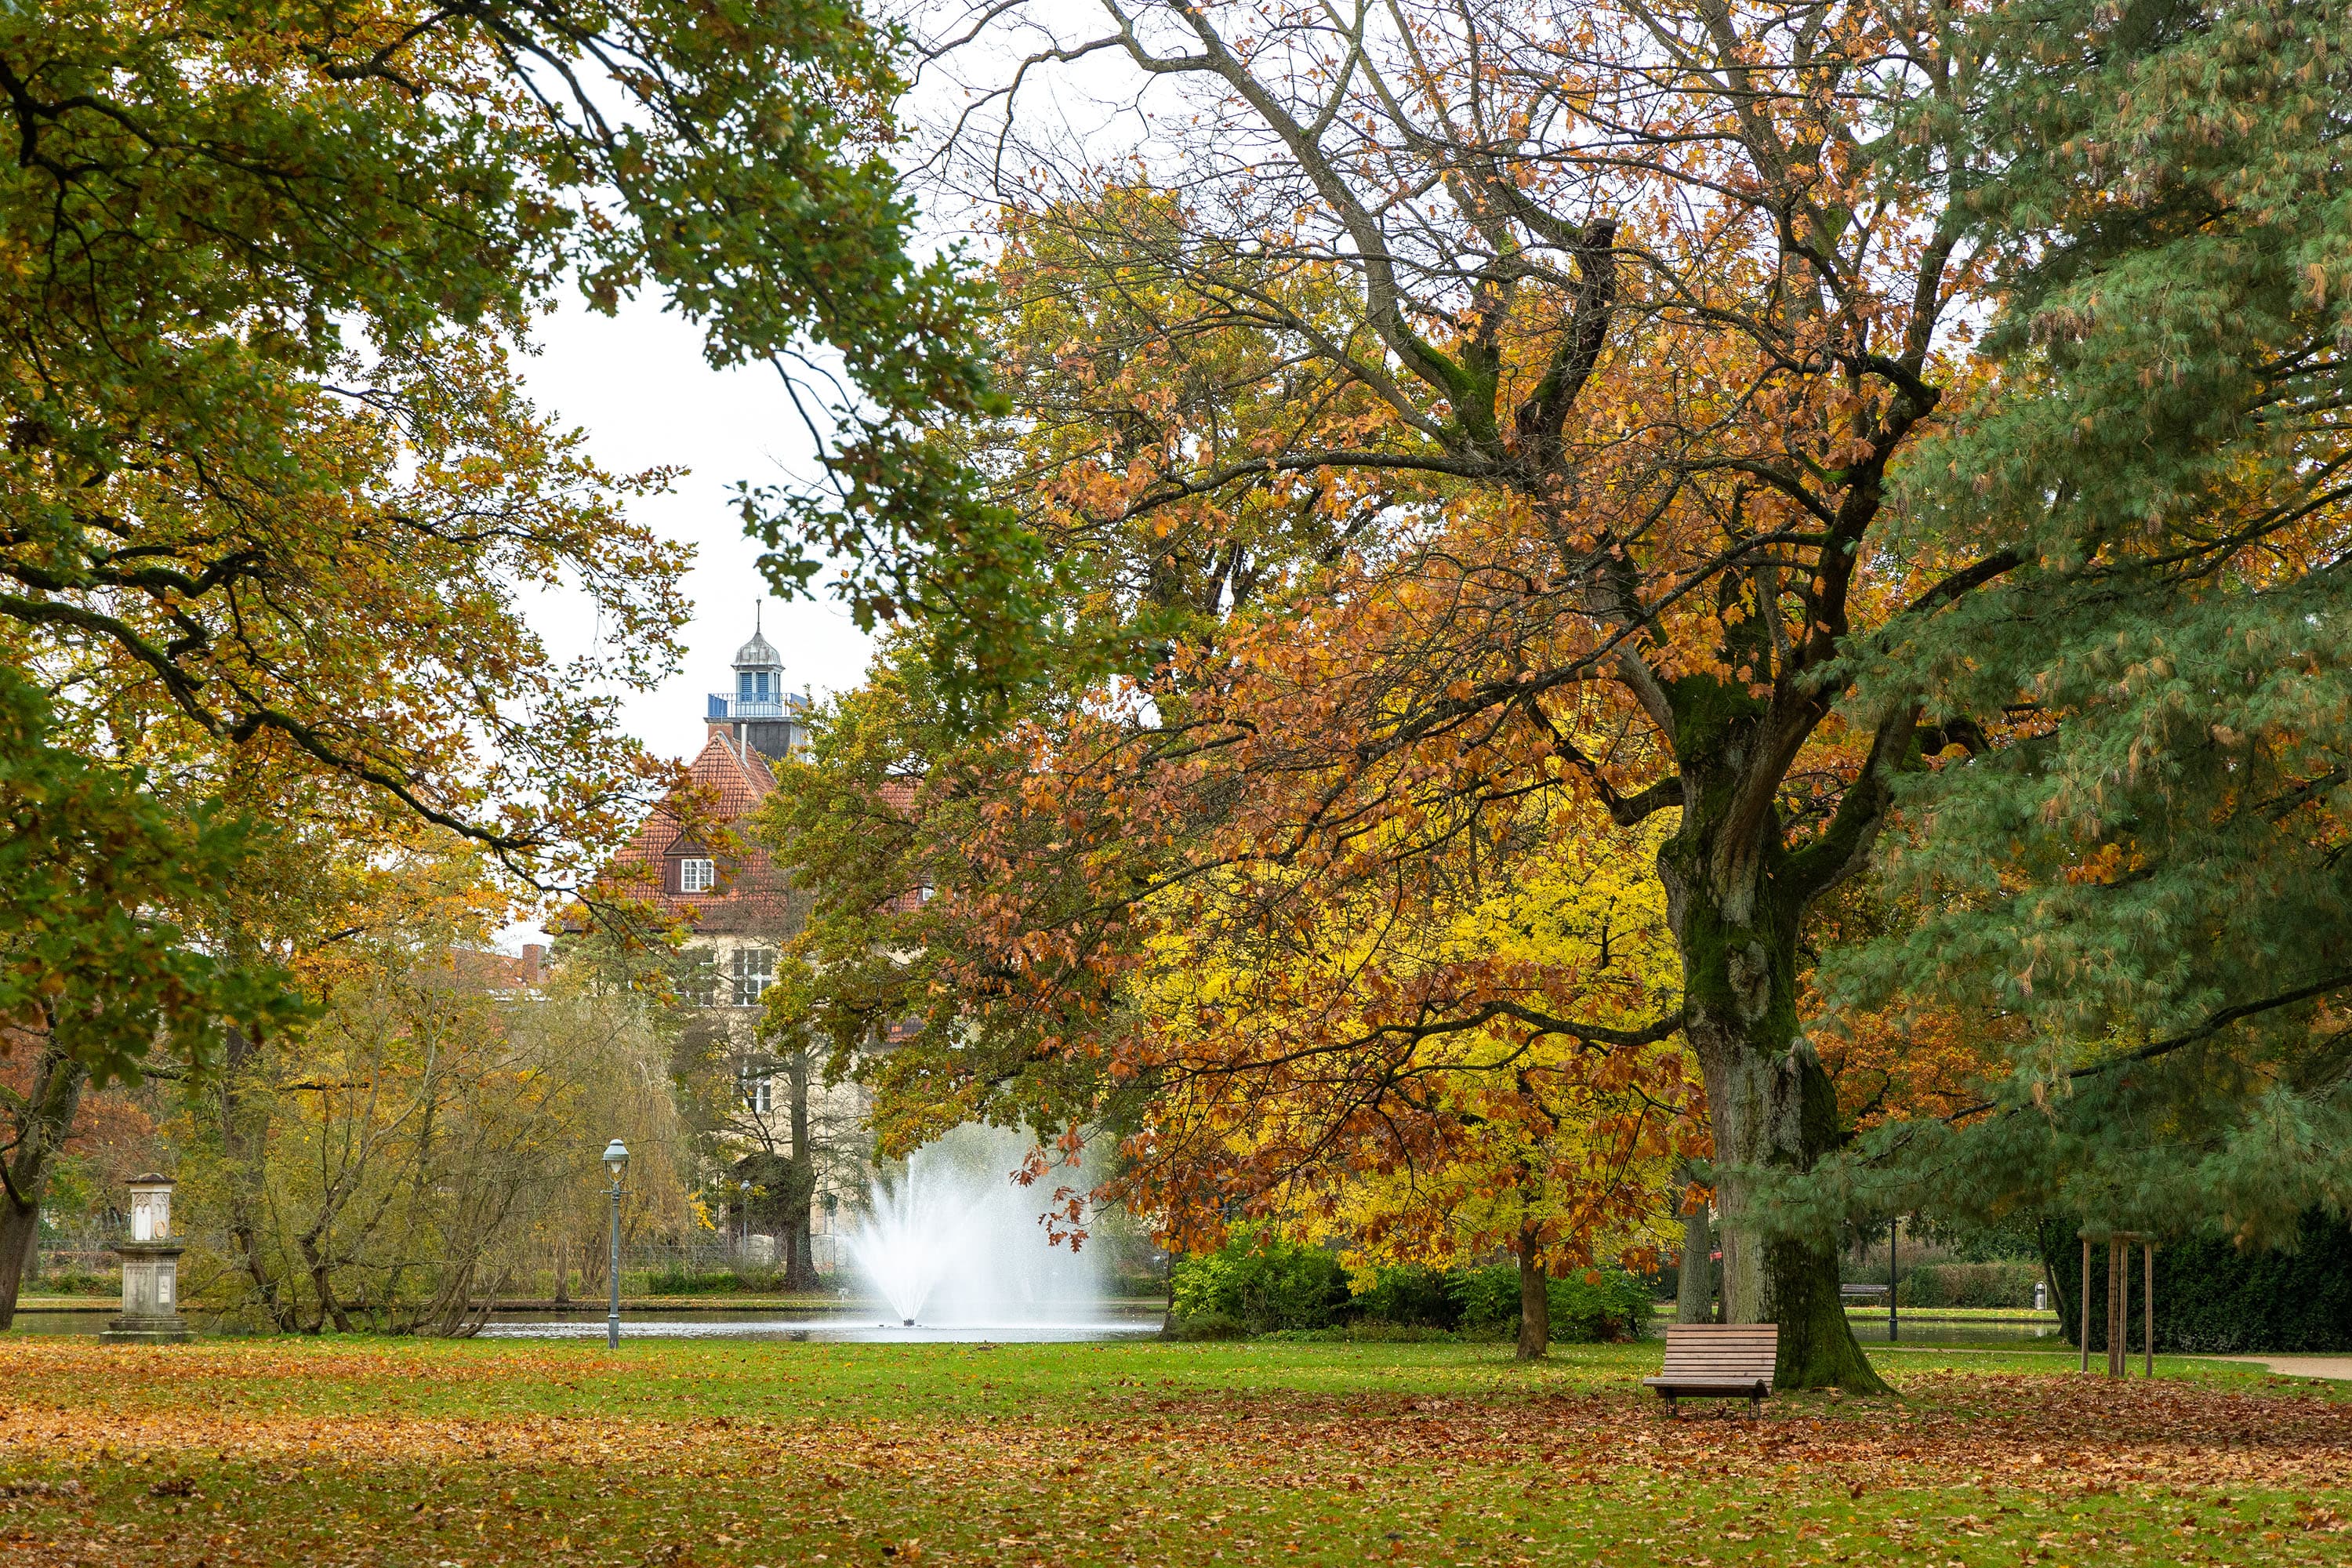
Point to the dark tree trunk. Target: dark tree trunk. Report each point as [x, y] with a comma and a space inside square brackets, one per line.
[241, 1146]
[1695, 1281]
[562, 1270]
[1736, 897]
[800, 1247]
[41, 1128]
[1535, 1300]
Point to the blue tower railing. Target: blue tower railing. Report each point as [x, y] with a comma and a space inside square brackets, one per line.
[724, 705]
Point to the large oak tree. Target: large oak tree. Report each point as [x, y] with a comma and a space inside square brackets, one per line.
[1626, 353]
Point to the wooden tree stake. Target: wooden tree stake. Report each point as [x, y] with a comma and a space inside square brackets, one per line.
[2116, 1307]
[2086, 1304]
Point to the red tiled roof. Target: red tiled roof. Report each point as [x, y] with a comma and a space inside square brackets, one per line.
[498, 971]
[754, 896]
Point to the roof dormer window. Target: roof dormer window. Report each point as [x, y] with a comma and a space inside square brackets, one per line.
[696, 876]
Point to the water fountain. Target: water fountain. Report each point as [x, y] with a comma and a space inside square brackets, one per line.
[954, 1248]
[952, 1240]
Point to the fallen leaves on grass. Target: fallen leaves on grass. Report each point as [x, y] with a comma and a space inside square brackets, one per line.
[2046, 1433]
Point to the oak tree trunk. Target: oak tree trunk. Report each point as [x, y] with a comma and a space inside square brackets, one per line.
[1736, 899]
[243, 1135]
[1535, 1300]
[800, 1250]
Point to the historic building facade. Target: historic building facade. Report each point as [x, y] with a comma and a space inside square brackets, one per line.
[739, 907]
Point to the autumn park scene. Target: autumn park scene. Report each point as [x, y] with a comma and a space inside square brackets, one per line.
[1176, 782]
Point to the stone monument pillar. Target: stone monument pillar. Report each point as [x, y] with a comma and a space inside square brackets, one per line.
[151, 1269]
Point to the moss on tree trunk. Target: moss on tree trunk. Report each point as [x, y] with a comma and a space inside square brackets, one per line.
[1736, 909]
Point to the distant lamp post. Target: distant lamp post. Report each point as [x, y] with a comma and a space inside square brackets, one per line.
[616, 1160]
[151, 1268]
[745, 1206]
[1894, 1234]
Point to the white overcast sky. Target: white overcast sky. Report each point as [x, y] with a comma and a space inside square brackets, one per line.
[638, 385]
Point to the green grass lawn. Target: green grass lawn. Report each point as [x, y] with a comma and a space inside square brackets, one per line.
[720, 1452]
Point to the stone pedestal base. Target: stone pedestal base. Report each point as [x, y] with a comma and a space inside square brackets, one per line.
[150, 1294]
[157, 1330]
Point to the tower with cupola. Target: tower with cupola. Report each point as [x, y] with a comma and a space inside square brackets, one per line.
[760, 715]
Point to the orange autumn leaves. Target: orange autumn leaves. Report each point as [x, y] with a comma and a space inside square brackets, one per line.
[76, 1405]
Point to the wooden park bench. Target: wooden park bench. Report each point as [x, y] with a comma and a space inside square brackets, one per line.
[1717, 1361]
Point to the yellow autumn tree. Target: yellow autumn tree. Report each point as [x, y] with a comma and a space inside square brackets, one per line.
[1496, 1136]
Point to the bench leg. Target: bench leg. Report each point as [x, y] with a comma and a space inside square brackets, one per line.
[1670, 1406]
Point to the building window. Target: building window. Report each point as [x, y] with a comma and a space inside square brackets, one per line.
[696, 876]
[755, 1085]
[755, 970]
[697, 980]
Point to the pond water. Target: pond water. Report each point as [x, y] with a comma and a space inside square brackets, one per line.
[847, 1326]
[2024, 1335]
[866, 1326]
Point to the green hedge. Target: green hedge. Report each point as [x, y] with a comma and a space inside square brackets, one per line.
[1968, 1285]
[1260, 1285]
[674, 1280]
[2214, 1300]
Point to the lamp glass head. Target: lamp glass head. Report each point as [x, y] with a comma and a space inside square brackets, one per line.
[615, 1158]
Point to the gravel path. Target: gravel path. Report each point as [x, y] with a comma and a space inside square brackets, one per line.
[2332, 1366]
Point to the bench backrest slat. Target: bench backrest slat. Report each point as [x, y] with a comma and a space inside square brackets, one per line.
[1729, 1350]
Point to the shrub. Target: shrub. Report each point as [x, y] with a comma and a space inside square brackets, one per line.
[1590, 1305]
[80, 1282]
[1413, 1296]
[1206, 1325]
[672, 1279]
[1261, 1282]
[1487, 1299]
[1265, 1286]
[1600, 1304]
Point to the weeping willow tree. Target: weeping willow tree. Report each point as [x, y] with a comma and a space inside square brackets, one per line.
[401, 1159]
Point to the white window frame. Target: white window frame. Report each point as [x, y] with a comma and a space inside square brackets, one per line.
[698, 979]
[754, 970]
[697, 875]
[756, 1088]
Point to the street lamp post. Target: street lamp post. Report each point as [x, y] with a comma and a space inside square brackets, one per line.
[745, 1189]
[616, 1160]
[1894, 1226]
